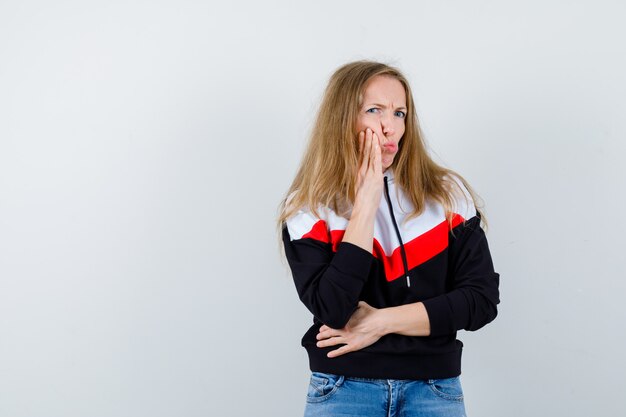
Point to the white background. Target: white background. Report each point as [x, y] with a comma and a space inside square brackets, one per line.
[145, 146]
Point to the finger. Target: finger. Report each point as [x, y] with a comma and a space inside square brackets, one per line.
[361, 139]
[375, 151]
[326, 334]
[338, 352]
[366, 148]
[378, 163]
[330, 342]
[361, 144]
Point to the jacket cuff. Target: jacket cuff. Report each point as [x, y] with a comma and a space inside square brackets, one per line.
[443, 319]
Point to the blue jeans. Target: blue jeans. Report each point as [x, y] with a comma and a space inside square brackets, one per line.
[337, 395]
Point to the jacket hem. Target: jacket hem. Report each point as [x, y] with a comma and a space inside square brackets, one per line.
[385, 366]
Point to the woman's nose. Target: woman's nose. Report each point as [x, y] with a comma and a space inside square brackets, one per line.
[386, 127]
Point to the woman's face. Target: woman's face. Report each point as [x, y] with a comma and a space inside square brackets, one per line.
[384, 111]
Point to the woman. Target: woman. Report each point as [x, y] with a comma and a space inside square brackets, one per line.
[387, 252]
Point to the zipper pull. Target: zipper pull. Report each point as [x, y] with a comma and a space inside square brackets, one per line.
[408, 281]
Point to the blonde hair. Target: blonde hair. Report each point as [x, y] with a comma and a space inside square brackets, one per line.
[329, 166]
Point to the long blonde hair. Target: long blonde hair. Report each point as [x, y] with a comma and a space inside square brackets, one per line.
[328, 169]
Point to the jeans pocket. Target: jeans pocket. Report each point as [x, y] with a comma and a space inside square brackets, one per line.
[448, 388]
[322, 386]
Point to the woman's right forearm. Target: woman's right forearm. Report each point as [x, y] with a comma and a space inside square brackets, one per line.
[360, 229]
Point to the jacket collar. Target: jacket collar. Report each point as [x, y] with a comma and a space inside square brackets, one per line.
[389, 174]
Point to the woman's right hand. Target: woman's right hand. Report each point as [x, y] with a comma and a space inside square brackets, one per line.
[369, 182]
[369, 189]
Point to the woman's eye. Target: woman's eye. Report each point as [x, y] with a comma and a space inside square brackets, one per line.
[372, 110]
[401, 114]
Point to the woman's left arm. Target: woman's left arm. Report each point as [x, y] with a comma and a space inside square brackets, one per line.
[368, 324]
[474, 297]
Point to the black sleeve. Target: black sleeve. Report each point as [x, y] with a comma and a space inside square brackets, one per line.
[329, 284]
[473, 299]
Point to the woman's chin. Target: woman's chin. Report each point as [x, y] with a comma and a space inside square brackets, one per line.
[386, 162]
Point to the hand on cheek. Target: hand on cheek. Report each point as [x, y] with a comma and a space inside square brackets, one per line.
[375, 129]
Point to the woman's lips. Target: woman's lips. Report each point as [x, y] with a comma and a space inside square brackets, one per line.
[390, 147]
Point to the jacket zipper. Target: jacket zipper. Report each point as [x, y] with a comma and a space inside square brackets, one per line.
[395, 226]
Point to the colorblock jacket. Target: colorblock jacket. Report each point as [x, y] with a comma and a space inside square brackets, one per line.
[415, 260]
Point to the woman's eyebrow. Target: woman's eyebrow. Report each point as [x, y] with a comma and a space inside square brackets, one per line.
[382, 105]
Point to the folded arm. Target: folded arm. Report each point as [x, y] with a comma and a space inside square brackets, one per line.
[470, 303]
